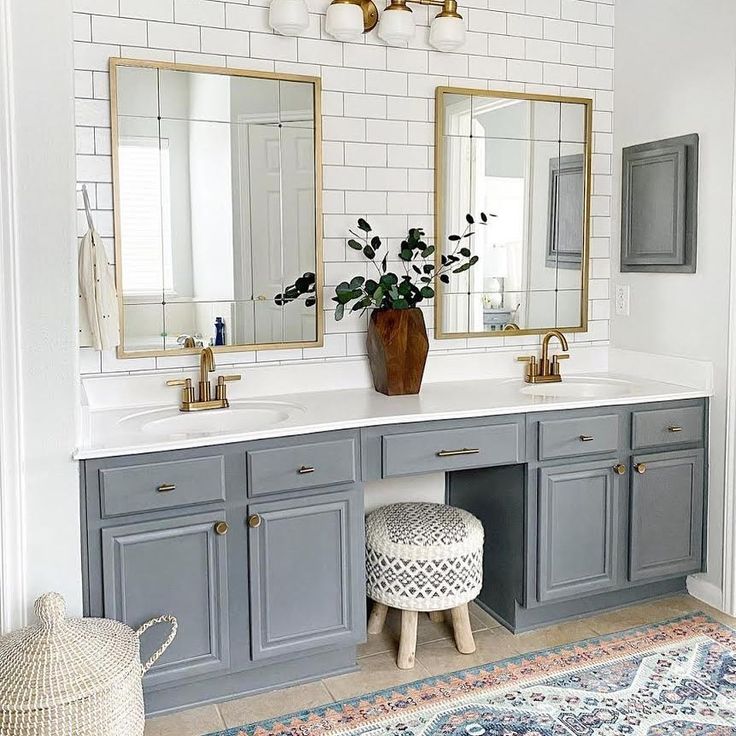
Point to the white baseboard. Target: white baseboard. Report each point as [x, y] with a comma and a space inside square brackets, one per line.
[705, 591]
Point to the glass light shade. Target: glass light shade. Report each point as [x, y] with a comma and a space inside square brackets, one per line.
[447, 33]
[344, 21]
[288, 17]
[396, 26]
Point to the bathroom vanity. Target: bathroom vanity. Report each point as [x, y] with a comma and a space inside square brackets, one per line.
[257, 545]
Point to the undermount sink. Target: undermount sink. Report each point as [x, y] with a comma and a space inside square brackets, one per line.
[241, 416]
[589, 388]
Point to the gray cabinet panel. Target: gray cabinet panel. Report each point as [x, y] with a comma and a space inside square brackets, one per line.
[302, 466]
[578, 436]
[577, 545]
[453, 449]
[659, 206]
[671, 426]
[175, 566]
[666, 515]
[306, 574]
[161, 485]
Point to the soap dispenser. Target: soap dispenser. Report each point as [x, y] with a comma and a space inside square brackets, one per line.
[219, 331]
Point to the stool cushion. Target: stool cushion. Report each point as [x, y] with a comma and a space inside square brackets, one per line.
[423, 556]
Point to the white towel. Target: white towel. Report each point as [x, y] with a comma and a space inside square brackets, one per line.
[97, 291]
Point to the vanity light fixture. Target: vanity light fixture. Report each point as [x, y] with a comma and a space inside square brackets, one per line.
[288, 17]
[348, 19]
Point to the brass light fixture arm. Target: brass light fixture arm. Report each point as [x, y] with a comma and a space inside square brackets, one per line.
[370, 10]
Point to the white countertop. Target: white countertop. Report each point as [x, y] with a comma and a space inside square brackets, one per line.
[127, 431]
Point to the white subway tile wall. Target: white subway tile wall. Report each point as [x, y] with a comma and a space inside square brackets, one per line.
[378, 122]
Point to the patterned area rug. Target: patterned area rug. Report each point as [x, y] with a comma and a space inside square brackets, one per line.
[677, 678]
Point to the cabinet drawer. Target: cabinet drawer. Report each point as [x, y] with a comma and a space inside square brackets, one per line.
[662, 427]
[578, 436]
[452, 449]
[152, 486]
[302, 466]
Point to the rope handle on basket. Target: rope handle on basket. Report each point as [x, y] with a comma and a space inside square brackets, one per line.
[142, 630]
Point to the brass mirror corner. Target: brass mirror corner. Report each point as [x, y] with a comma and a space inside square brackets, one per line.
[217, 178]
[525, 161]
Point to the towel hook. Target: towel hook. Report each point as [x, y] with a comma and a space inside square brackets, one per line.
[87, 207]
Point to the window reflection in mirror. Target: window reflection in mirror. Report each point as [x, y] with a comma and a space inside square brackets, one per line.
[217, 206]
[524, 159]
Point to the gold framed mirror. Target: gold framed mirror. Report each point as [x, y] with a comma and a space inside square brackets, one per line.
[217, 178]
[524, 160]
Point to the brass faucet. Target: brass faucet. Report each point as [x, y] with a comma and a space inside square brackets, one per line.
[205, 400]
[546, 370]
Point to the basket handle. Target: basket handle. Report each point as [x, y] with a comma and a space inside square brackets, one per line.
[160, 620]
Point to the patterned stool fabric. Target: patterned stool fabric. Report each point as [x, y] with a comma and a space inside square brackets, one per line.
[423, 556]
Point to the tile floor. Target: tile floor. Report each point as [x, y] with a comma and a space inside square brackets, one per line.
[436, 654]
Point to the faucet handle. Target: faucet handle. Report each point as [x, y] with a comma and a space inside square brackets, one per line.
[233, 377]
[533, 369]
[187, 392]
[556, 362]
[220, 390]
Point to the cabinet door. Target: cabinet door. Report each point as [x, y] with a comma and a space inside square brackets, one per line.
[666, 526]
[175, 566]
[579, 509]
[306, 573]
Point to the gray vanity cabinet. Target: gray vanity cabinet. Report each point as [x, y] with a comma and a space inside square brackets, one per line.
[306, 572]
[579, 508]
[177, 566]
[666, 515]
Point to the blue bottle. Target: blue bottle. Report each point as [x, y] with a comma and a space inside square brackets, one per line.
[219, 331]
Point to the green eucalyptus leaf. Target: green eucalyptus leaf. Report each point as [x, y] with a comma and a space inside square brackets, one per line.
[384, 263]
[370, 286]
[355, 245]
[454, 238]
[469, 219]
[484, 217]
[339, 312]
[342, 286]
[462, 268]
[444, 278]
[469, 234]
[416, 269]
[389, 279]
[428, 267]
[356, 282]
[465, 252]
[428, 251]
[474, 260]
[405, 255]
[426, 280]
[378, 296]
[368, 252]
[376, 241]
[427, 292]
[363, 225]
[400, 304]
[310, 301]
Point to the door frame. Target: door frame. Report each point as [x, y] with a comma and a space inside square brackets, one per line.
[12, 521]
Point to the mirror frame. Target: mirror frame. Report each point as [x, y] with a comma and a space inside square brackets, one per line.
[316, 82]
[439, 333]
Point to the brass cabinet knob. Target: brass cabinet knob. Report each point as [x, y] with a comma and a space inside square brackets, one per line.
[619, 469]
[254, 521]
[674, 429]
[640, 468]
[221, 528]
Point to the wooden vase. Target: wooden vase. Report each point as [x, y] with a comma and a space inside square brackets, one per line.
[397, 350]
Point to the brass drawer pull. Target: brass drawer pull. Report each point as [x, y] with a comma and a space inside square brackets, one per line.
[586, 438]
[221, 528]
[674, 429]
[455, 453]
[254, 521]
[619, 469]
[305, 470]
[640, 468]
[166, 487]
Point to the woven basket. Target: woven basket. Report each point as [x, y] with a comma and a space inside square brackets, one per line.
[74, 676]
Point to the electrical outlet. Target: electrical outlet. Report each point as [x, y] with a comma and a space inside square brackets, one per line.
[623, 294]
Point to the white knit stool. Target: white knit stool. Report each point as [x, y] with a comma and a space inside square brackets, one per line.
[423, 557]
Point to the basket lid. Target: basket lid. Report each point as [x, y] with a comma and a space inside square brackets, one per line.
[61, 660]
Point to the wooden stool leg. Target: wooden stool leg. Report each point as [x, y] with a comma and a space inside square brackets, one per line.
[436, 617]
[463, 633]
[408, 640]
[377, 618]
